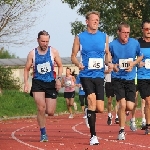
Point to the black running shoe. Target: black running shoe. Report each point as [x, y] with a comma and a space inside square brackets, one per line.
[117, 121]
[109, 121]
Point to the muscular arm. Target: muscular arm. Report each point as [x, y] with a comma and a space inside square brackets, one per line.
[27, 67]
[107, 52]
[58, 61]
[75, 50]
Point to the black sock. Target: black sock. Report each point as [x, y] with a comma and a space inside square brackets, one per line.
[91, 120]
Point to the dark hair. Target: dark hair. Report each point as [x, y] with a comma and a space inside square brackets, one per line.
[143, 22]
[123, 24]
[73, 72]
[43, 33]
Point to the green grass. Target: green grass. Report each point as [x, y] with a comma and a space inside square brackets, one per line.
[15, 103]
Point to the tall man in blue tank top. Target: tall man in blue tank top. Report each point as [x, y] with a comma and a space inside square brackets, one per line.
[124, 50]
[44, 86]
[93, 45]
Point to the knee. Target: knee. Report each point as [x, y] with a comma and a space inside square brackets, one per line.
[122, 107]
[50, 113]
[41, 109]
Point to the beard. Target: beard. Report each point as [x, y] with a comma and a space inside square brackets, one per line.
[43, 48]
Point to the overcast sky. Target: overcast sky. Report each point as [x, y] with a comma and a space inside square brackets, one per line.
[57, 23]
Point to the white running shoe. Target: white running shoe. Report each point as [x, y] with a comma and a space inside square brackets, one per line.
[94, 140]
[84, 117]
[121, 136]
[133, 125]
[71, 116]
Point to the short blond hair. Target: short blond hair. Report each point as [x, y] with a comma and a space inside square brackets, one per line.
[92, 12]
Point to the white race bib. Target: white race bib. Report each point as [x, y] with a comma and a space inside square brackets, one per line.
[123, 63]
[147, 63]
[95, 63]
[43, 68]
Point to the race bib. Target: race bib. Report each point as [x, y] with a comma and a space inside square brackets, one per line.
[43, 68]
[123, 63]
[95, 63]
[147, 63]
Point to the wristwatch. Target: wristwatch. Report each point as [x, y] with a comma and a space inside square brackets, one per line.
[59, 78]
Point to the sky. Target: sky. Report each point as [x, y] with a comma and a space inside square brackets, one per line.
[57, 22]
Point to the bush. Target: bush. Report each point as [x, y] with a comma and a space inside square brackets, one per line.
[7, 81]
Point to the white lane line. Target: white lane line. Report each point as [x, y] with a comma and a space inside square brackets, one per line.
[107, 140]
[26, 144]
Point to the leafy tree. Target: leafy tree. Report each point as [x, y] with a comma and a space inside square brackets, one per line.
[7, 81]
[17, 17]
[112, 13]
[6, 54]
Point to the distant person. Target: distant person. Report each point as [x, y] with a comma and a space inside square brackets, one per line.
[82, 96]
[68, 82]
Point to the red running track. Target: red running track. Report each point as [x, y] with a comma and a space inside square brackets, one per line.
[68, 134]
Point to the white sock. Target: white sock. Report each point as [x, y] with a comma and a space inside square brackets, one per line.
[121, 128]
[116, 116]
[143, 120]
[133, 119]
[109, 115]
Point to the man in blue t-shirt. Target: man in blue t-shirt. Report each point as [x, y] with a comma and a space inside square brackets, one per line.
[124, 50]
[143, 71]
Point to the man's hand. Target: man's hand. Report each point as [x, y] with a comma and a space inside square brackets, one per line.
[141, 64]
[115, 67]
[26, 88]
[80, 66]
[131, 65]
[58, 84]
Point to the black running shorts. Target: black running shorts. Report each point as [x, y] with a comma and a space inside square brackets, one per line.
[93, 85]
[69, 94]
[109, 89]
[47, 87]
[144, 87]
[124, 89]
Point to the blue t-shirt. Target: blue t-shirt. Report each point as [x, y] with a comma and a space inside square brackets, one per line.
[43, 67]
[144, 72]
[121, 54]
[81, 92]
[92, 49]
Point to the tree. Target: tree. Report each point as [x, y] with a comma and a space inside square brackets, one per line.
[6, 54]
[112, 13]
[17, 17]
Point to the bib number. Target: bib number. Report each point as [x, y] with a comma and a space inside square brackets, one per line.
[123, 63]
[95, 63]
[147, 63]
[43, 68]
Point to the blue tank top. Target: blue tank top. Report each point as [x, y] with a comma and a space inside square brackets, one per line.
[144, 72]
[121, 54]
[43, 66]
[92, 49]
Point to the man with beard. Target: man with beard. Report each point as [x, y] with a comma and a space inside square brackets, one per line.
[143, 71]
[44, 86]
[124, 50]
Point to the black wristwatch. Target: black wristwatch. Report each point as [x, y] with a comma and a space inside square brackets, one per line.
[59, 78]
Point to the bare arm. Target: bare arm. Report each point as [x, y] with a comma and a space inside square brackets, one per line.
[75, 50]
[58, 61]
[27, 69]
[107, 52]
